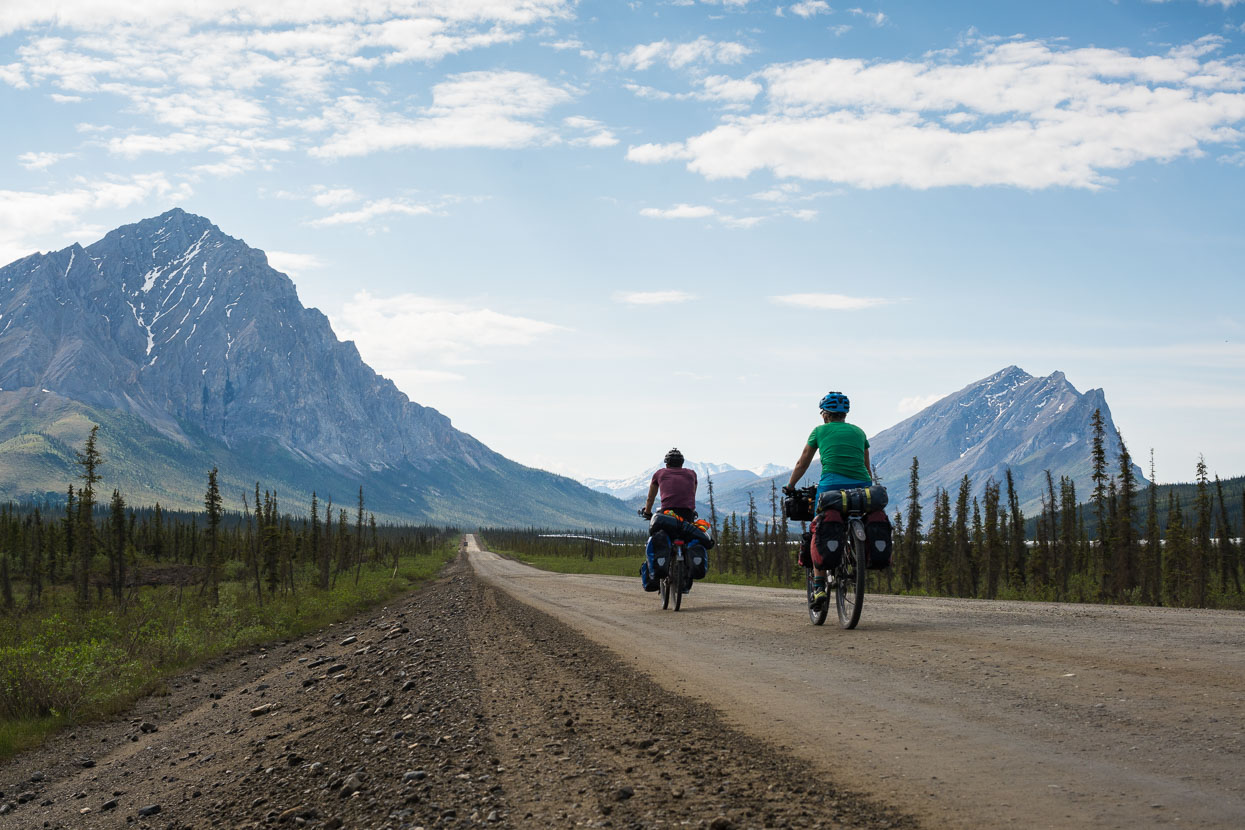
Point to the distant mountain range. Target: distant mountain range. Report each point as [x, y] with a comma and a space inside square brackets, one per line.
[637, 485]
[191, 352]
[1010, 419]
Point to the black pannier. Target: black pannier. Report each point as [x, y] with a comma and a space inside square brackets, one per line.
[829, 536]
[878, 541]
[856, 500]
[799, 506]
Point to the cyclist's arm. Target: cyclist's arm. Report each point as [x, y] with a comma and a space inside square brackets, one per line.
[868, 464]
[652, 494]
[801, 466]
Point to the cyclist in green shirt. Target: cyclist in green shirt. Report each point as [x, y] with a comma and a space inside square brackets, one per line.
[844, 452]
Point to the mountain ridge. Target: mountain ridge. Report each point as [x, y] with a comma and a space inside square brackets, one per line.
[194, 334]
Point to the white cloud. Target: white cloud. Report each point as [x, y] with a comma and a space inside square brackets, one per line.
[1227, 4]
[732, 90]
[657, 153]
[679, 55]
[1034, 115]
[914, 404]
[216, 68]
[679, 211]
[412, 332]
[652, 297]
[293, 264]
[595, 133]
[373, 209]
[473, 109]
[41, 161]
[829, 302]
[811, 8]
[334, 196]
[876, 18]
[30, 219]
[99, 14]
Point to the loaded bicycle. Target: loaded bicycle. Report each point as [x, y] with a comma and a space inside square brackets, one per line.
[847, 578]
[687, 555]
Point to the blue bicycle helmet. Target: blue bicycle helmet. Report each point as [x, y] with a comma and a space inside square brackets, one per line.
[835, 402]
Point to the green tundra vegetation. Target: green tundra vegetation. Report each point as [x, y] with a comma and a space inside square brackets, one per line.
[100, 601]
[1175, 545]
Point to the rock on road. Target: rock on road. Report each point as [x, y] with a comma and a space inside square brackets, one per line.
[966, 713]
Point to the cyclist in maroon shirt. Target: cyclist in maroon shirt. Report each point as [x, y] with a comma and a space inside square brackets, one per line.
[677, 486]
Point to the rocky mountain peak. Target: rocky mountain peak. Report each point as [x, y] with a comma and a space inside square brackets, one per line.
[191, 332]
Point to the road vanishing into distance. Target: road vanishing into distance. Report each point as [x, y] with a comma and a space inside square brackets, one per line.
[963, 713]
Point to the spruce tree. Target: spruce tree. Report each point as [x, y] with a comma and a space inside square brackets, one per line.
[1201, 538]
[960, 571]
[116, 550]
[912, 533]
[992, 550]
[1230, 571]
[1152, 553]
[1175, 556]
[1069, 538]
[1125, 549]
[6, 586]
[1099, 498]
[89, 460]
[358, 535]
[1016, 548]
[213, 506]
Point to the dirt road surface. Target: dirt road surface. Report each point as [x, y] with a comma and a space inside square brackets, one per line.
[966, 713]
[457, 706]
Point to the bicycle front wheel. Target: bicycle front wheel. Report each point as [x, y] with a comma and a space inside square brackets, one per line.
[664, 590]
[816, 613]
[849, 587]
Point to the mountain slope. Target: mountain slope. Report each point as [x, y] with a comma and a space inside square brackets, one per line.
[1008, 420]
[173, 332]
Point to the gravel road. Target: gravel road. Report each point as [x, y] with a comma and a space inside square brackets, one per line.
[966, 713]
[486, 700]
[456, 706]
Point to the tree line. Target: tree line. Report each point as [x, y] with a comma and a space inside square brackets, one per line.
[1136, 549]
[103, 551]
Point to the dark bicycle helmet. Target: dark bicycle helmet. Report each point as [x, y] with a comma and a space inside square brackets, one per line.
[835, 402]
[674, 458]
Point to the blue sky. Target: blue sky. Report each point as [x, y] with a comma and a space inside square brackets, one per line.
[590, 231]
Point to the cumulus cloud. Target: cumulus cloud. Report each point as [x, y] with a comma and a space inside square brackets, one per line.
[652, 297]
[211, 71]
[1022, 113]
[292, 263]
[41, 161]
[413, 332]
[811, 8]
[829, 302]
[373, 209]
[679, 211]
[876, 18]
[30, 219]
[333, 196]
[593, 132]
[678, 55]
[472, 109]
[657, 153]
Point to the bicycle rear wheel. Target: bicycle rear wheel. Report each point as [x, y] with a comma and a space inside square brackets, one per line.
[849, 586]
[676, 581]
[816, 614]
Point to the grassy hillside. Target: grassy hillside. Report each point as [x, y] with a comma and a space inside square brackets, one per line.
[1186, 497]
[40, 433]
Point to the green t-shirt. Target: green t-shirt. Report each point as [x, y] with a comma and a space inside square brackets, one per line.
[842, 448]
